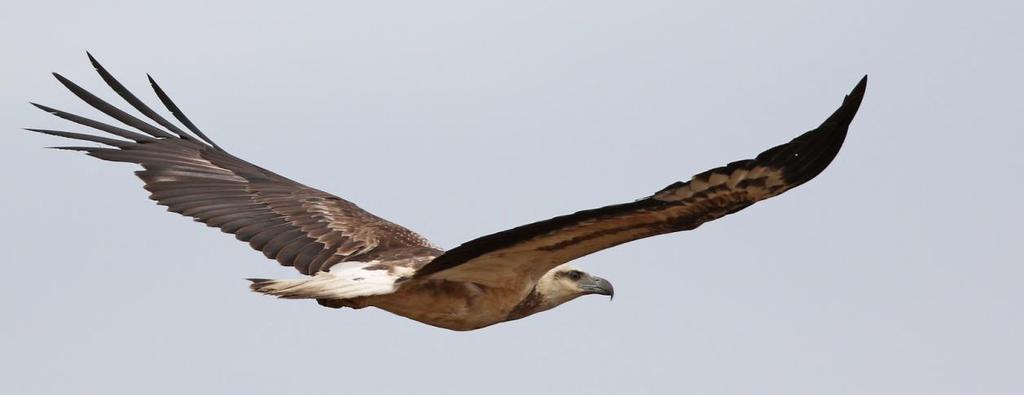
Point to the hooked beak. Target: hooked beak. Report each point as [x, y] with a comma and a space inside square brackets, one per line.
[598, 285]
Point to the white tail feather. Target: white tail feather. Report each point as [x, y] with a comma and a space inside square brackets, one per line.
[344, 281]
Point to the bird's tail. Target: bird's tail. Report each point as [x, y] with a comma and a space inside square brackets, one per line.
[279, 288]
[319, 286]
[325, 285]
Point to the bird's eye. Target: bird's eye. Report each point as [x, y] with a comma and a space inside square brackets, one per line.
[575, 275]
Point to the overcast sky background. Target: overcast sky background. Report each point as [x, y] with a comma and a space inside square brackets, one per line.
[897, 271]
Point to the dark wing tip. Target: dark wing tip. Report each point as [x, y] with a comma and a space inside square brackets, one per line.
[173, 108]
[851, 103]
[81, 136]
[60, 78]
[44, 108]
[73, 148]
[99, 67]
[808, 155]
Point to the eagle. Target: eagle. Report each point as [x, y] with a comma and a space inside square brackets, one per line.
[351, 258]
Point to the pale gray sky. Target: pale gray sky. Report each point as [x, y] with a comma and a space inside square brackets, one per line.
[896, 271]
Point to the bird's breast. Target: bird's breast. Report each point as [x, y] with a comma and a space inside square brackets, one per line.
[451, 305]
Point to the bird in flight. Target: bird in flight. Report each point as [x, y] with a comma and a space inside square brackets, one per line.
[351, 258]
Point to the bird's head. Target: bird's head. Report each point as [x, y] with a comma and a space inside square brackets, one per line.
[557, 286]
[565, 283]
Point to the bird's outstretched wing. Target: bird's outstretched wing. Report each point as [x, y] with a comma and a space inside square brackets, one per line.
[296, 225]
[512, 256]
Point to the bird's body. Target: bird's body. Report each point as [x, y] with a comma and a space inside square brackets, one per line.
[447, 304]
[451, 305]
[354, 259]
[390, 285]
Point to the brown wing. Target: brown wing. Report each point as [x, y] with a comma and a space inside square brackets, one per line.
[510, 257]
[296, 225]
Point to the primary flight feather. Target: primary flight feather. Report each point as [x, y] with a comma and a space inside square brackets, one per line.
[352, 258]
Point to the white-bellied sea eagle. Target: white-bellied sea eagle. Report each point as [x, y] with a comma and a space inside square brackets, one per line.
[351, 258]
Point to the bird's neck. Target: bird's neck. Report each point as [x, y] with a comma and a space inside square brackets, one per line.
[535, 302]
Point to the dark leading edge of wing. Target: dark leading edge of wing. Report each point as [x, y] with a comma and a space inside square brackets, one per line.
[680, 206]
[296, 225]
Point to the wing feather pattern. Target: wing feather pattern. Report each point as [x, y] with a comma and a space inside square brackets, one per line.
[292, 223]
[513, 256]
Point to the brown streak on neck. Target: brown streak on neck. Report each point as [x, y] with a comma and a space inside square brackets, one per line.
[529, 305]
